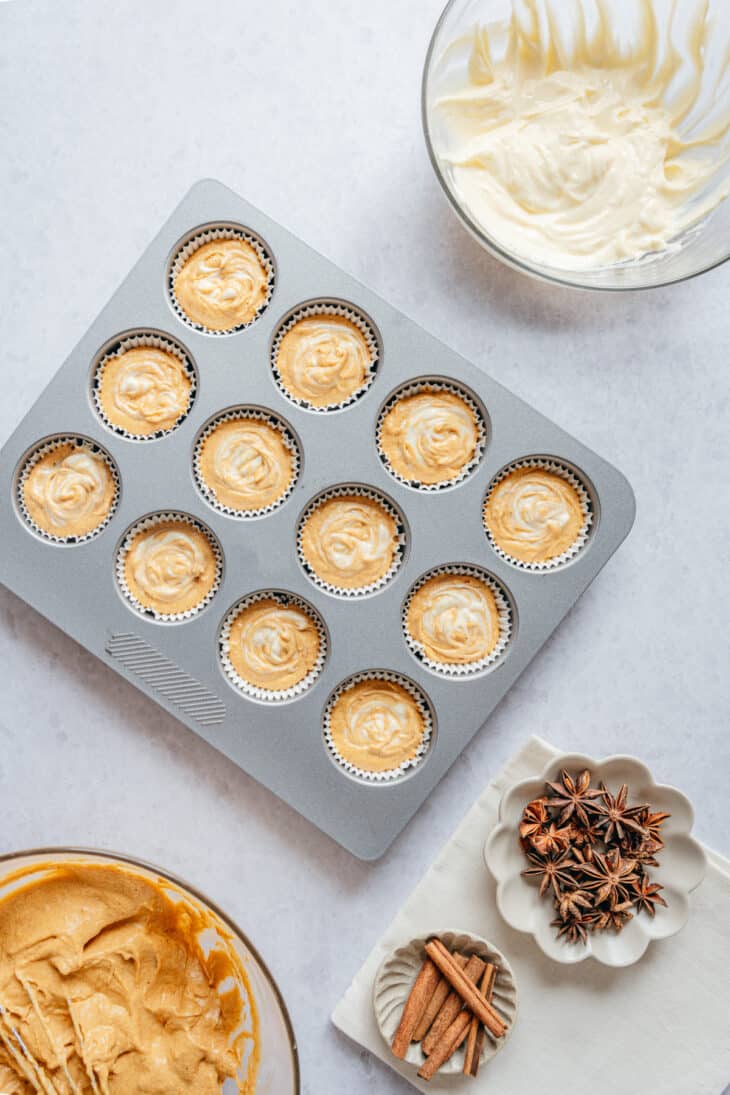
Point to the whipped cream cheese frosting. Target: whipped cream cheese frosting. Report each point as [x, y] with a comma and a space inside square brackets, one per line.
[580, 142]
[376, 725]
[454, 619]
[323, 360]
[222, 284]
[429, 437]
[349, 541]
[273, 646]
[534, 515]
[105, 982]
[246, 463]
[69, 491]
[170, 567]
[144, 389]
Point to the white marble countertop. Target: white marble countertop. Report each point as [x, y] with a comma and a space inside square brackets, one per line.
[109, 113]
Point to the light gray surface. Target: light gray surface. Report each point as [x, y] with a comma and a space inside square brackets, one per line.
[312, 112]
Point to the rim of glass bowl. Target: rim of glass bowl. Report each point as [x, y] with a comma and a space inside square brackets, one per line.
[197, 895]
[555, 277]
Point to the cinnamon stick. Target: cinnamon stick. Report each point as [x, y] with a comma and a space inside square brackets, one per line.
[453, 1004]
[475, 1037]
[468, 992]
[426, 981]
[433, 1007]
[450, 1042]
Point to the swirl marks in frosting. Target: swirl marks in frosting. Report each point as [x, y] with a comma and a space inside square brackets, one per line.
[376, 725]
[273, 646]
[69, 491]
[534, 515]
[429, 437]
[323, 360]
[170, 567]
[349, 541]
[222, 284]
[246, 463]
[144, 389]
[454, 619]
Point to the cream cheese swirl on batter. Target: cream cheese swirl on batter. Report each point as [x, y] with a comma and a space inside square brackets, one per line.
[429, 437]
[376, 725]
[144, 389]
[273, 646]
[323, 360]
[170, 567]
[534, 515]
[69, 491]
[454, 619]
[349, 541]
[222, 285]
[246, 464]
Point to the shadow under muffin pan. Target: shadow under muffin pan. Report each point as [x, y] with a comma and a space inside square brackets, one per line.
[282, 744]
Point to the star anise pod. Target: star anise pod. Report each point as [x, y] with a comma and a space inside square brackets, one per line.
[584, 836]
[571, 904]
[610, 876]
[551, 840]
[652, 823]
[534, 816]
[646, 852]
[647, 896]
[573, 797]
[615, 917]
[555, 871]
[615, 819]
[573, 930]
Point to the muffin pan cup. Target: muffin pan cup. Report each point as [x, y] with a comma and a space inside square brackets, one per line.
[282, 745]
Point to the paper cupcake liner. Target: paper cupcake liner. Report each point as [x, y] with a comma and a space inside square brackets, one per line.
[142, 525]
[288, 437]
[569, 476]
[30, 462]
[424, 706]
[343, 490]
[207, 235]
[266, 695]
[328, 308]
[504, 611]
[416, 387]
[130, 342]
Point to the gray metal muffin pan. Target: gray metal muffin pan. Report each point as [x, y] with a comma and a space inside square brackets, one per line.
[281, 745]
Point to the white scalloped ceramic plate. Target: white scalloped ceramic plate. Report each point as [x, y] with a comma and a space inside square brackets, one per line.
[395, 979]
[682, 864]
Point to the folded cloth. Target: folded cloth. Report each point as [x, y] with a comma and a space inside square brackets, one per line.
[659, 1027]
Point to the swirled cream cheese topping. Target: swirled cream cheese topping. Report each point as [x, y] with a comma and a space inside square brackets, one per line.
[576, 139]
[246, 463]
[170, 567]
[454, 619]
[324, 360]
[105, 982]
[144, 389]
[534, 515]
[273, 646]
[376, 725]
[429, 437]
[349, 541]
[69, 491]
[222, 285]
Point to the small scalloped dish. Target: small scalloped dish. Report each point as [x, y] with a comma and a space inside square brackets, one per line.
[398, 971]
[682, 864]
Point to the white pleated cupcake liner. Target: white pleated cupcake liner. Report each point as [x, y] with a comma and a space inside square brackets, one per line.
[232, 415]
[462, 671]
[418, 387]
[207, 235]
[37, 454]
[346, 490]
[151, 521]
[139, 340]
[391, 775]
[328, 308]
[557, 468]
[266, 695]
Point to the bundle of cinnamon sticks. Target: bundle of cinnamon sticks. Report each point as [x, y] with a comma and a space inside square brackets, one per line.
[449, 1004]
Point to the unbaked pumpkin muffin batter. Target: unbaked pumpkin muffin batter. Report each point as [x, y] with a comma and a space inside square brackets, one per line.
[273, 646]
[323, 360]
[69, 491]
[105, 982]
[376, 725]
[222, 285]
[246, 464]
[144, 389]
[349, 541]
[170, 567]
[454, 619]
[429, 437]
[534, 515]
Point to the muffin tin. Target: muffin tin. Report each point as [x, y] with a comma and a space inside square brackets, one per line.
[177, 663]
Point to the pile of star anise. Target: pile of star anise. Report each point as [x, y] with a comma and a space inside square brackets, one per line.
[590, 852]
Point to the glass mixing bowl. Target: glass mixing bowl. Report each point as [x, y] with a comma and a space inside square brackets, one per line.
[701, 247]
[278, 1072]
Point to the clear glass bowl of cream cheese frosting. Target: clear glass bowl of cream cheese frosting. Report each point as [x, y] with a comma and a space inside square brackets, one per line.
[586, 142]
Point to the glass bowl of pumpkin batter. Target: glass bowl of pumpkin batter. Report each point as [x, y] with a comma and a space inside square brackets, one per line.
[585, 142]
[117, 978]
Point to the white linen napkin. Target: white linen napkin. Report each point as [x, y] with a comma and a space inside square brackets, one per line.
[659, 1027]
